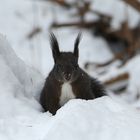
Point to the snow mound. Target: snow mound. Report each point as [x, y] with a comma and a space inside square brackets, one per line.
[99, 119]
[27, 77]
[20, 85]
[21, 117]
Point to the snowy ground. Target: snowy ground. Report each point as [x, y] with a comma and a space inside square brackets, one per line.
[21, 115]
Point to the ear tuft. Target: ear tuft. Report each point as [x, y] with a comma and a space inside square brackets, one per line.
[54, 46]
[76, 44]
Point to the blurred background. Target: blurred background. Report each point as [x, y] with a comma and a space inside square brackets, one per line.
[110, 45]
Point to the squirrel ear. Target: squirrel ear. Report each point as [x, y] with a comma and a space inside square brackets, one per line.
[76, 44]
[54, 46]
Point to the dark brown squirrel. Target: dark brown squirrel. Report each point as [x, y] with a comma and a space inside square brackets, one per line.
[67, 80]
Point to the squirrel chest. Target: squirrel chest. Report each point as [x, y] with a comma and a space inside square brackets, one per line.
[66, 94]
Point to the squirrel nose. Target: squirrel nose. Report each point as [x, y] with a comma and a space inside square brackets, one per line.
[67, 76]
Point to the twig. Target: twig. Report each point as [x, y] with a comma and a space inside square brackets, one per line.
[118, 78]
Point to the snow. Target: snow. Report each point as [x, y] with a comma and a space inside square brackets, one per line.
[21, 115]
[26, 77]
[19, 85]
[118, 10]
[100, 119]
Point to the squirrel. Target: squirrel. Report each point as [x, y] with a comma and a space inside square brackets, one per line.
[67, 80]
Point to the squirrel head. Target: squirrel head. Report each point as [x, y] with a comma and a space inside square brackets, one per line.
[66, 68]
